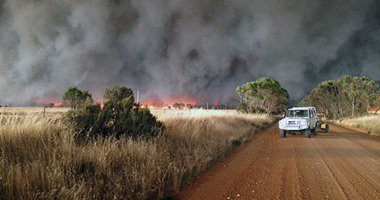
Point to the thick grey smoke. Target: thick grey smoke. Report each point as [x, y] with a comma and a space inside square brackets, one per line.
[200, 49]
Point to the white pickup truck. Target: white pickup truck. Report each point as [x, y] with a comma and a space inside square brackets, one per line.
[301, 119]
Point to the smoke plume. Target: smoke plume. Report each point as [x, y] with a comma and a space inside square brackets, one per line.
[184, 49]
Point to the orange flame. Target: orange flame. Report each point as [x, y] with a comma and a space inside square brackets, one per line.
[47, 101]
[158, 104]
[57, 104]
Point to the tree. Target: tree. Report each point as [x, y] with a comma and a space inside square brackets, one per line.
[343, 97]
[120, 116]
[360, 92]
[76, 98]
[118, 93]
[242, 107]
[376, 103]
[264, 95]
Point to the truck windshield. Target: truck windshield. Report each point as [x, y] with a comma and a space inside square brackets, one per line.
[297, 113]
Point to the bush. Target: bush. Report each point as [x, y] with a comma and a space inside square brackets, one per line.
[76, 98]
[119, 117]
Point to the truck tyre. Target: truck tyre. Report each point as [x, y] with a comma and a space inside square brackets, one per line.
[314, 131]
[327, 128]
[283, 133]
[307, 133]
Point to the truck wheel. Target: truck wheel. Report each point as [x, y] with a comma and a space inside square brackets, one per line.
[283, 133]
[307, 133]
[314, 131]
[326, 130]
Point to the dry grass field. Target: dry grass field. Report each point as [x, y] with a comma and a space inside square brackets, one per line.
[370, 123]
[32, 110]
[39, 158]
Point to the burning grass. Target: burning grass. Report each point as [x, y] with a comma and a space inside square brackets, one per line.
[40, 159]
[370, 123]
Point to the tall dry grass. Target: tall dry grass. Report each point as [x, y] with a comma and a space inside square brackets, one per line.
[39, 158]
[32, 110]
[370, 123]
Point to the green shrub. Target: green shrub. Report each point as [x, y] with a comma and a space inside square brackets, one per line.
[76, 98]
[119, 117]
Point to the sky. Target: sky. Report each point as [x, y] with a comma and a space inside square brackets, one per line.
[182, 50]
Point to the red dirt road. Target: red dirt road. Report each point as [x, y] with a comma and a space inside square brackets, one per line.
[337, 165]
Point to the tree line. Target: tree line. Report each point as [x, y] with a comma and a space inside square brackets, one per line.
[121, 116]
[347, 96]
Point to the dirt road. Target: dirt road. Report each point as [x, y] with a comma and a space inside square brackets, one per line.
[338, 165]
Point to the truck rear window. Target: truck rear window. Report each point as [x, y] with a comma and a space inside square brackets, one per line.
[297, 113]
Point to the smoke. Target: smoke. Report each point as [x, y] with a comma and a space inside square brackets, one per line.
[189, 49]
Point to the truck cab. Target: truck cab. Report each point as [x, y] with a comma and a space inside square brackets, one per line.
[300, 120]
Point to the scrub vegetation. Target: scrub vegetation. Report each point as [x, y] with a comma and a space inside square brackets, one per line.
[41, 159]
[370, 123]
